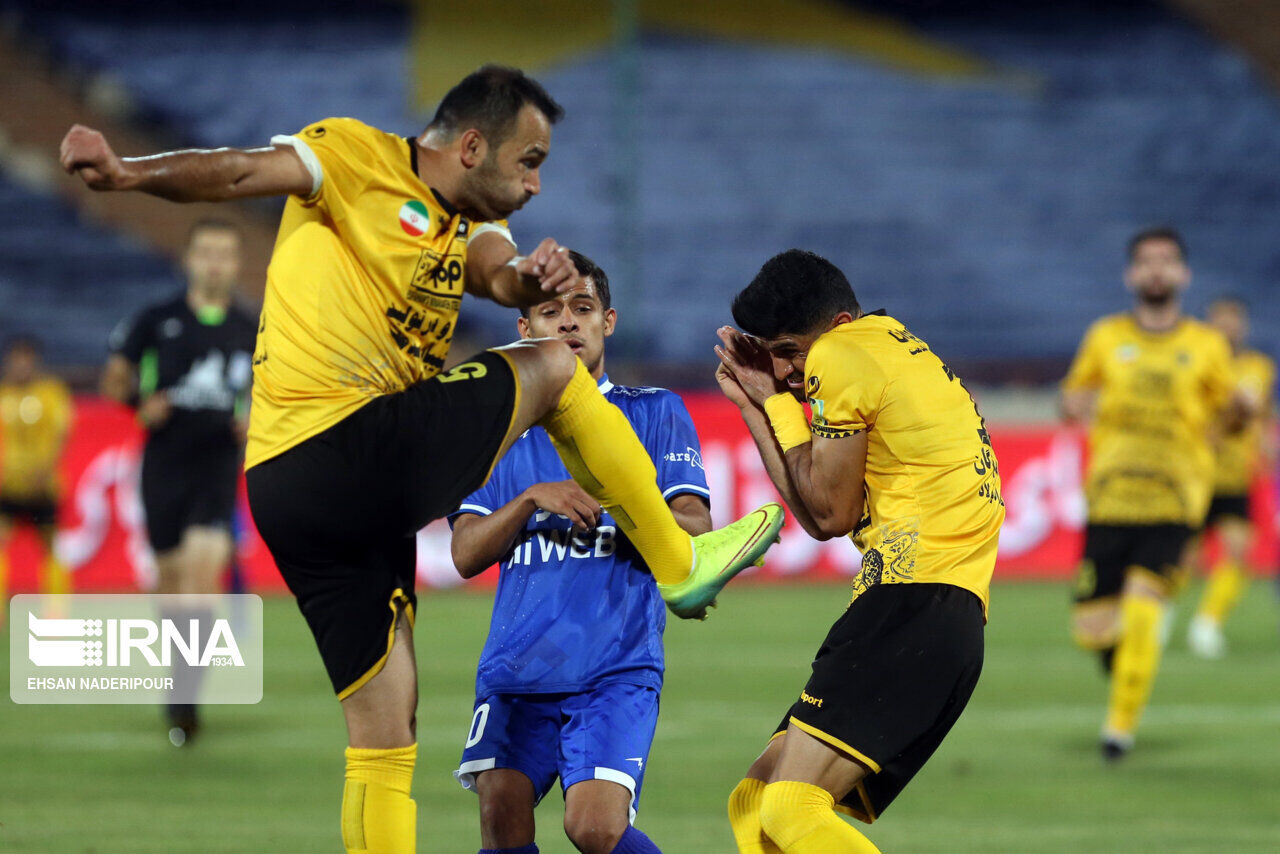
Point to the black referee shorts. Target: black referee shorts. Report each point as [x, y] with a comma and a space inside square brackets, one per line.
[181, 490]
[889, 682]
[340, 511]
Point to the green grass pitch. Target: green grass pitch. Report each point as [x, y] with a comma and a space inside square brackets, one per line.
[1020, 772]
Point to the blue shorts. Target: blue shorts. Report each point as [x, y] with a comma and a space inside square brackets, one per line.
[602, 734]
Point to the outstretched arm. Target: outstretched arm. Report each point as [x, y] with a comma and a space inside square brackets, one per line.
[496, 272]
[195, 175]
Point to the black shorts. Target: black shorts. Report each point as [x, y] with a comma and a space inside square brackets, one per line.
[890, 680]
[1228, 507]
[184, 490]
[41, 511]
[340, 511]
[1110, 550]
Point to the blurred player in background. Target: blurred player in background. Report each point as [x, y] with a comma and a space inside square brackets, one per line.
[35, 419]
[569, 677]
[897, 456]
[186, 364]
[357, 439]
[1153, 385]
[1240, 456]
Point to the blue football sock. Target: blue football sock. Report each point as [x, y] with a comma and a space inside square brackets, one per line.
[635, 842]
[531, 848]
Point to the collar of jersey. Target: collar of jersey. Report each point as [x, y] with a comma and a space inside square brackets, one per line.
[1164, 333]
[413, 167]
[605, 385]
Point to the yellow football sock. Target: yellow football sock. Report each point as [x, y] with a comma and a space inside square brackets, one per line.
[1227, 582]
[744, 818]
[1137, 657]
[378, 816]
[801, 819]
[601, 451]
[54, 577]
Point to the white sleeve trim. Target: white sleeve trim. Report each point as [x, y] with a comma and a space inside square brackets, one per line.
[472, 508]
[494, 227]
[309, 159]
[686, 487]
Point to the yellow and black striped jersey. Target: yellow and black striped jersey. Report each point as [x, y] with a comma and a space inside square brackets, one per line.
[34, 419]
[363, 289]
[1238, 453]
[1159, 395]
[933, 507]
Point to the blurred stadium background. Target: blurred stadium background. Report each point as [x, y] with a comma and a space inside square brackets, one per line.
[975, 167]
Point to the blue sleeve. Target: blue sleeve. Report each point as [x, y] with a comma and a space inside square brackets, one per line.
[673, 443]
[487, 498]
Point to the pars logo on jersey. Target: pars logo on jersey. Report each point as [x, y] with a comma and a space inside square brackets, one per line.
[688, 455]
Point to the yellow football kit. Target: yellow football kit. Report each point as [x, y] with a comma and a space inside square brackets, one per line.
[1159, 393]
[363, 289]
[1238, 453]
[34, 418]
[933, 506]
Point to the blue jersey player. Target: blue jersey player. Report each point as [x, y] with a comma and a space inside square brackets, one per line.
[569, 677]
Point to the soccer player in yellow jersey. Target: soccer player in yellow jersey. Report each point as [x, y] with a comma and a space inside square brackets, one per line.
[1239, 457]
[1152, 384]
[35, 418]
[897, 457]
[357, 438]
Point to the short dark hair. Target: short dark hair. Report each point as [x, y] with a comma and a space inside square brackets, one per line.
[794, 292]
[587, 269]
[23, 341]
[489, 100]
[1234, 300]
[213, 223]
[1157, 232]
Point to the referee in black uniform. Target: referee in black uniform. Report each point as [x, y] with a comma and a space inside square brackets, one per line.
[186, 364]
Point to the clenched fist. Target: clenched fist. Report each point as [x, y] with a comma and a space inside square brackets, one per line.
[85, 152]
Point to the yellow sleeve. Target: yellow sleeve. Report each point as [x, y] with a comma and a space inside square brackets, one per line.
[342, 150]
[1086, 369]
[1266, 380]
[66, 408]
[1219, 381]
[845, 386]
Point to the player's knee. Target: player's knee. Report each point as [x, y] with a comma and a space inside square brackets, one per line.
[778, 812]
[1096, 625]
[505, 820]
[744, 798]
[1139, 581]
[594, 832]
[557, 362]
